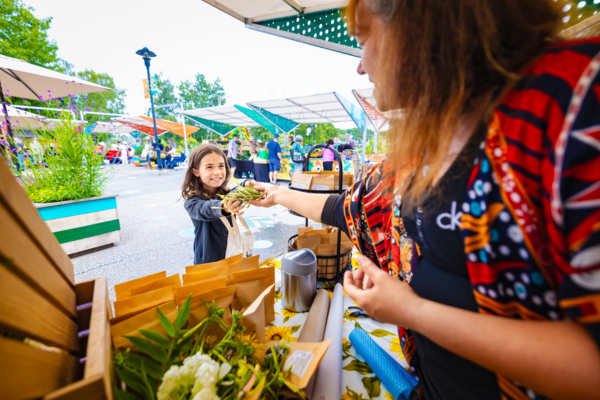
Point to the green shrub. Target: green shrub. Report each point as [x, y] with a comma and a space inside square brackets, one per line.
[70, 168]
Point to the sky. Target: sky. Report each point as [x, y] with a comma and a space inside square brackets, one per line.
[189, 37]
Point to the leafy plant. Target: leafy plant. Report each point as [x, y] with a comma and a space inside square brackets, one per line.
[67, 166]
[189, 361]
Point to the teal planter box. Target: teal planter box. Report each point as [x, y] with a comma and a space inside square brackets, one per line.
[82, 225]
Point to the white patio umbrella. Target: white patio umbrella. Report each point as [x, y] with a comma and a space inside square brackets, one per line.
[22, 120]
[19, 78]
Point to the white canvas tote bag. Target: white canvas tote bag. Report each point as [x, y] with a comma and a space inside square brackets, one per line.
[238, 241]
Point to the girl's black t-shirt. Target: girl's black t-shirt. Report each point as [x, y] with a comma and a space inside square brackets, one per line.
[441, 275]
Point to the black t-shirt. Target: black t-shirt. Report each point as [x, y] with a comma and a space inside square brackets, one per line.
[441, 275]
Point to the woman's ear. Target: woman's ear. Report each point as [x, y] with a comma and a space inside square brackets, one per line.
[196, 172]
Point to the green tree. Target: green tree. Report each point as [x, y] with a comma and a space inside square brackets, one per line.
[24, 36]
[200, 93]
[110, 101]
[166, 95]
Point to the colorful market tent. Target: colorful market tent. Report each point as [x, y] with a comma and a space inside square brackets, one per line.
[313, 109]
[368, 103]
[228, 115]
[284, 124]
[217, 127]
[141, 125]
[112, 127]
[315, 22]
[175, 127]
[258, 118]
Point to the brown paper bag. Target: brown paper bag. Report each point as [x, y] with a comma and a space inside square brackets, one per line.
[242, 265]
[309, 242]
[146, 320]
[304, 359]
[195, 277]
[250, 284]
[197, 288]
[204, 267]
[302, 230]
[333, 237]
[254, 316]
[123, 290]
[316, 232]
[301, 181]
[173, 281]
[234, 259]
[142, 302]
[223, 298]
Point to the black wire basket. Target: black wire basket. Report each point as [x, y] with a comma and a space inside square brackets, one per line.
[327, 266]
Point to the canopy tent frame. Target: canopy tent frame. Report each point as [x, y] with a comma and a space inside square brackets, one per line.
[287, 11]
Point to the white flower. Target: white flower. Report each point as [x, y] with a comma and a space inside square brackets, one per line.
[197, 375]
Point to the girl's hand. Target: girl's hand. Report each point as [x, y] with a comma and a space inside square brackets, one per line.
[234, 206]
[385, 299]
[268, 198]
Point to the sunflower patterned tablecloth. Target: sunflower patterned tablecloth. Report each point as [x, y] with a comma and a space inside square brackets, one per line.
[358, 380]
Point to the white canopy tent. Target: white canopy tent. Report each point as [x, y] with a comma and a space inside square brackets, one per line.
[113, 127]
[23, 120]
[313, 109]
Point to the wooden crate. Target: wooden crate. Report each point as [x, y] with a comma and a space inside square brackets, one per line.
[56, 341]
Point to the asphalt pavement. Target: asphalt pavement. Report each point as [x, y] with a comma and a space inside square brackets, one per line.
[157, 233]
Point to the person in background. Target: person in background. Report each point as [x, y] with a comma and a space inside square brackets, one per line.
[206, 178]
[328, 157]
[290, 141]
[146, 152]
[232, 152]
[275, 159]
[36, 150]
[124, 152]
[297, 149]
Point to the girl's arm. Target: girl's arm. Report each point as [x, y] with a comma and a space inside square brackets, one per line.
[201, 210]
[557, 359]
[306, 204]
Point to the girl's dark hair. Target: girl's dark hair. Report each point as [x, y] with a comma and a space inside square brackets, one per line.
[192, 185]
[330, 142]
[447, 59]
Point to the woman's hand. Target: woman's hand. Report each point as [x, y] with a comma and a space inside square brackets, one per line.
[383, 298]
[268, 198]
[234, 206]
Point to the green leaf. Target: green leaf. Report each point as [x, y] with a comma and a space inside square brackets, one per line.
[372, 385]
[122, 395]
[359, 366]
[352, 394]
[381, 333]
[156, 337]
[149, 348]
[164, 321]
[152, 367]
[183, 314]
[132, 379]
[357, 325]
[147, 383]
[295, 328]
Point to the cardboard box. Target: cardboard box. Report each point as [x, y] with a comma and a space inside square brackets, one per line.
[302, 181]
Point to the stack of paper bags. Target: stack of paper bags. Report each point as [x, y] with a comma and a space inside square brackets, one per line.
[235, 283]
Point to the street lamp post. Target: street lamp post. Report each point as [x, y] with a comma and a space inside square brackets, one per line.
[146, 55]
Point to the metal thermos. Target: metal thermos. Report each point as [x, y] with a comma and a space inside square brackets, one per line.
[298, 280]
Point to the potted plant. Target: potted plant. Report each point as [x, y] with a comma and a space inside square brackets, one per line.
[65, 179]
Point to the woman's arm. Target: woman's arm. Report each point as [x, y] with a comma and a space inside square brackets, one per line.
[557, 359]
[306, 204]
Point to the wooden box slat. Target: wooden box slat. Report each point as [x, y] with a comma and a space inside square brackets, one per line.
[27, 372]
[27, 259]
[24, 310]
[15, 199]
[86, 389]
